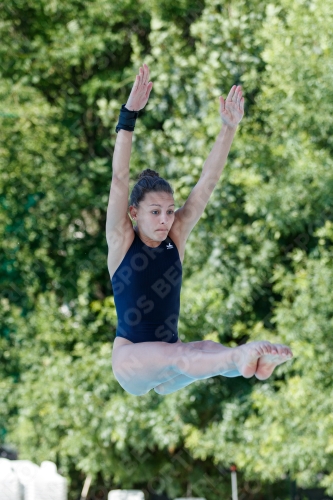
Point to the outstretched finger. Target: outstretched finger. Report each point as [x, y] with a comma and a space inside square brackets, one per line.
[138, 79]
[231, 93]
[242, 104]
[142, 75]
[149, 87]
[239, 95]
[137, 82]
[146, 70]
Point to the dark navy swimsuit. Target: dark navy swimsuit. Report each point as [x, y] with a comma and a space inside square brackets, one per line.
[146, 288]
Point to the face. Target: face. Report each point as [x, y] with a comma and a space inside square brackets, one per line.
[155, 215]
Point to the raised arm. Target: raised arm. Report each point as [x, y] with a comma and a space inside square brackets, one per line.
[117, 218]
[231, 112]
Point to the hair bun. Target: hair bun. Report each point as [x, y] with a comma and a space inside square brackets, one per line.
[148, 173]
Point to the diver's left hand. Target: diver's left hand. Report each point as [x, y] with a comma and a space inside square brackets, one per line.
[232, 109]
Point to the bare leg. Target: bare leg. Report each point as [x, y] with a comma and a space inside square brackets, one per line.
[180, 381]
[265, 366]
[141, 367]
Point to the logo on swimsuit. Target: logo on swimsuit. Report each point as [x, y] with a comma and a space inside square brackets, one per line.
[169, 246]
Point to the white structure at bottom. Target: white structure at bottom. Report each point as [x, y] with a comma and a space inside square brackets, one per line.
[25, 472]
[24, 480]
[10, 488]
[126, 495]
[47, 484]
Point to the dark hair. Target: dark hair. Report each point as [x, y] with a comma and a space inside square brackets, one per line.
[149, 181]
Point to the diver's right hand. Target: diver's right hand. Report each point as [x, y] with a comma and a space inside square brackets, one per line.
[141, 89]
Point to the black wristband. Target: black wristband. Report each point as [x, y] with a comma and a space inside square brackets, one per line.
[127, 119]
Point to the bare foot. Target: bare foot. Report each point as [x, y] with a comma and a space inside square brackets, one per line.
[266, 364]
[246, 357]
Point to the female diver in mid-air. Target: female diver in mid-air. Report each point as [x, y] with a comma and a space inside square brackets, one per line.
[145, 266]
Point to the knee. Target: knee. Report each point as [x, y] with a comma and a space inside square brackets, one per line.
[184, 356]
[211, 343]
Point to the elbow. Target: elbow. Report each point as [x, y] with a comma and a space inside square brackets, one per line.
[209, 180]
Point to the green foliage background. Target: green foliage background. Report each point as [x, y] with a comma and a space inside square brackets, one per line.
[258, 264]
